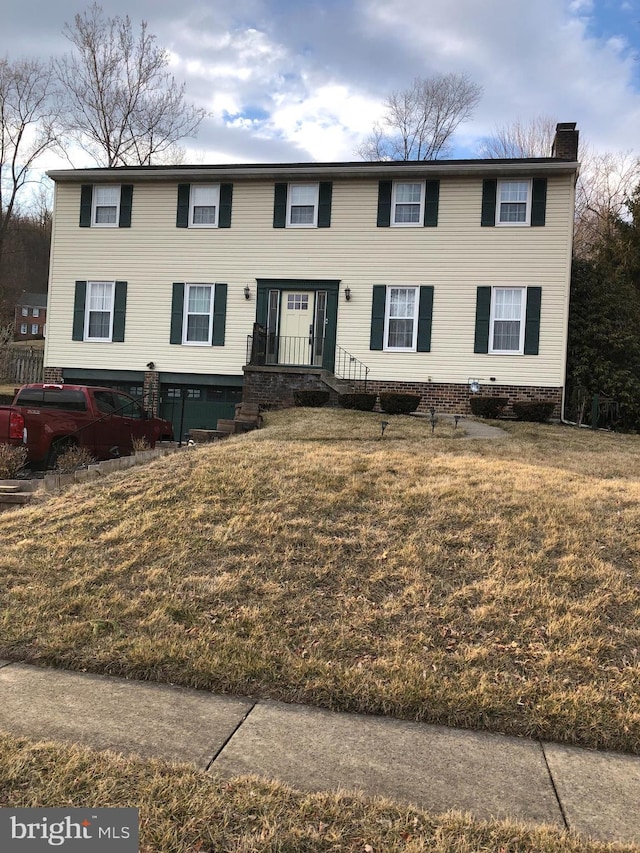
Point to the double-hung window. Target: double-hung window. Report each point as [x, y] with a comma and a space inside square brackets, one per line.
[401, 318]
[34, 329]
[36, 312]
[204, 204]
[106, 206]
[98, 323]
[507, 321]
[514, 203]
[197, 324]
[407, 203]
[23, 328]
[25, 312]
[302, 206]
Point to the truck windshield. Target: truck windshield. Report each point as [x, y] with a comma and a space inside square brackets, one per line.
[53, 398]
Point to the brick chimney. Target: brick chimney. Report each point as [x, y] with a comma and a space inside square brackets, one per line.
[565, 143]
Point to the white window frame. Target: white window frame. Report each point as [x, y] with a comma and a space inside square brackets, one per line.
[499, 203]
[192, 205]
[23, 328]
[290, 188]
[35, 329]
[36, 312]
[395, 202]
[95, 206]
[492, 319]
[186, 312]
[387, 318]
[25, 312]
[87, 311]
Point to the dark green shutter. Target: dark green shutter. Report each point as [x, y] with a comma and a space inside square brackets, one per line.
[539, 201]
[489, 192]
[431, 202]
[483, 314]
[280, 206]
[78, 311]
[177, 312]
[532, 322]
[384, 203]
[324, 204]
[219, 314]
[425, 317]
[119, 311]
[86, 202]
[182, 214]
[377, 316]
[126, 203]
[226, 197]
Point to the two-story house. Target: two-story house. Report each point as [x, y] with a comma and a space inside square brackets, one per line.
[191, 285]
[30, 317]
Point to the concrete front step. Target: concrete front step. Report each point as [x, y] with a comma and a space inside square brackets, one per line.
[15, 497]
[9, 486]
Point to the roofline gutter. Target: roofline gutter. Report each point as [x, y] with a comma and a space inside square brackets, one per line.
[433, 168]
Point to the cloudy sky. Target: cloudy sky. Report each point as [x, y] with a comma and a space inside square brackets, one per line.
[293, 80]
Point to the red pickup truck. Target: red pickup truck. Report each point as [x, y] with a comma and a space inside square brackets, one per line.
[48, 419]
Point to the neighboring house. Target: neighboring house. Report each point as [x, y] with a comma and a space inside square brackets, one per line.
[30, 317]
[182, 284]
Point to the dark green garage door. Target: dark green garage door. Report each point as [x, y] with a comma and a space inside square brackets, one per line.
[197, 406]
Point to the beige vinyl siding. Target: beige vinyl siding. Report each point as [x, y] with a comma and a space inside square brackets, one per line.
[455, 258]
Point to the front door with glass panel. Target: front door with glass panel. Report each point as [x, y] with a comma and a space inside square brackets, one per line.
[302, 322]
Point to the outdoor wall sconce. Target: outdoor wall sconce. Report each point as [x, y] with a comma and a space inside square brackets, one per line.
[151, 365]
[347, 294]
[247, 291]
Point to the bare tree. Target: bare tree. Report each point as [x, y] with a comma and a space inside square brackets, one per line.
[607, 182]
[28, 112]
[418, 122]
[532, 138]
[122, 105]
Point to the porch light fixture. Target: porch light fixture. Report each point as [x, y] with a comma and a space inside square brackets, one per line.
[247, 291]
[347, 294]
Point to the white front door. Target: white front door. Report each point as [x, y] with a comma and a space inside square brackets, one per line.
[296, 327]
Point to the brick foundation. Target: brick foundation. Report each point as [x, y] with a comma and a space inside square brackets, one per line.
[151, 392]
[453, 398]
[53, 375]
[274, 389]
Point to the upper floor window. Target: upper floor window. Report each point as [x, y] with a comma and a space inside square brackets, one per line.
[302, 205]
[518, 203]
[407, 203]
[514, 203]
[106, 206]
[204, 203]
[36, 312]
[25, 312]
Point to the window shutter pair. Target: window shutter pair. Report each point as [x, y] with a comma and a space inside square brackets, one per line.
[431, 203]
[325, 193]
[538, 202]
[425, 317]
[119, 311]
[224, 213]
[86, 205]
[219, 314]
[531, 326]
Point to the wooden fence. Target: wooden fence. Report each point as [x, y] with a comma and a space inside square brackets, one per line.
[21, 365]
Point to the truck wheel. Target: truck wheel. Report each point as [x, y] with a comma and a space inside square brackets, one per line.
[57, 448]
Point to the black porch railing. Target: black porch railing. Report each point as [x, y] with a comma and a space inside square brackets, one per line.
[349, 368]
[265, 348]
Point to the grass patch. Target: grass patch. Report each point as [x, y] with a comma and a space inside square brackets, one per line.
[182, 811]
[490, 585]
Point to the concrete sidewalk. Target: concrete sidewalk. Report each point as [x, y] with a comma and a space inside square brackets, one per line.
[436, 768]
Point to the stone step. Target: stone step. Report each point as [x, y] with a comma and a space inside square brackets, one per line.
[226, 425]
[8, 486]
[15, 497]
